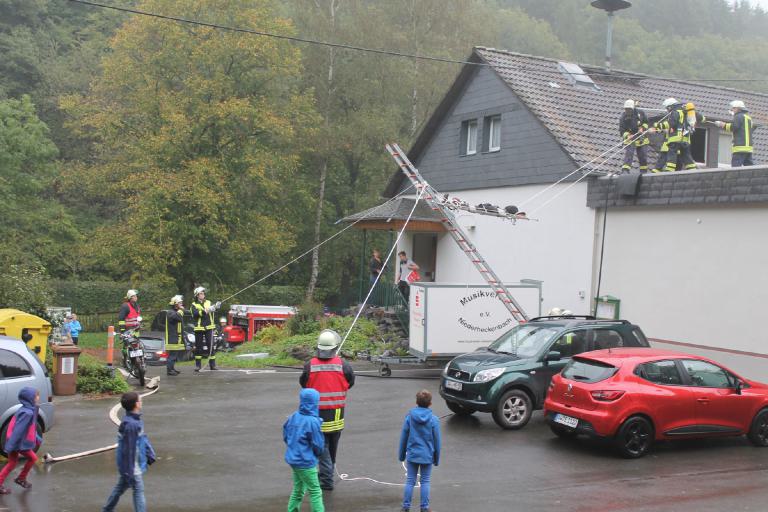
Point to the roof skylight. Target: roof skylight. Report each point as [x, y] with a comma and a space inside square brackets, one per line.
[576, 75]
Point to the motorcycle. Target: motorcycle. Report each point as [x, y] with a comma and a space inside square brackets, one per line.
[133, 354]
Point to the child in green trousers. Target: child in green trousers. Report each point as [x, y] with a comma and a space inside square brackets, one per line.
[304, 442]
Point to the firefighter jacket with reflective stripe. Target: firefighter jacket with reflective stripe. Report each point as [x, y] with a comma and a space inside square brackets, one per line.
[741, 127]
[174, 335]
[676, 126]
[203, 321]
[327, 377]
[128, 316]
[630, 124]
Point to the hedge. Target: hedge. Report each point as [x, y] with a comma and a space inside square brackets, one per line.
[90, 297]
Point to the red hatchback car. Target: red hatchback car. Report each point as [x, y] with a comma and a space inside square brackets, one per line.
[638, 395]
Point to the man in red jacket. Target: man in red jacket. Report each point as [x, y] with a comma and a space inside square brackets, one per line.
[331, 377]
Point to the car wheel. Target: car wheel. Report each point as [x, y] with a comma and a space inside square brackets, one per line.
[513, 410]
[758, 432]
[561, 431]
[458, 409]
[635, 437]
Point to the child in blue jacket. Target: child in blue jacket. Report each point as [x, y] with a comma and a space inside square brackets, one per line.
[134, 454]
[304, 443]
[22, 438]
[420, 448]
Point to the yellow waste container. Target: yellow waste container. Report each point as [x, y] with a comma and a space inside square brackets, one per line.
[31, 329]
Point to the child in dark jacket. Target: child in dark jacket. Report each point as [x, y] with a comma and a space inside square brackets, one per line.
[420, 448]
[304, 443]
[134, 454]
[22, 438]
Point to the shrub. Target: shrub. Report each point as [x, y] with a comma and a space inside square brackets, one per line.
[306, 320]
[271, 335]
[93, 377]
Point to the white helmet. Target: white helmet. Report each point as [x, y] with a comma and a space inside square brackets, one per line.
[199, 290]
[629, 104]
[131, 293]
[328, 340]
[669, 102]
[738, 104]
[223, 320]
[176, 299]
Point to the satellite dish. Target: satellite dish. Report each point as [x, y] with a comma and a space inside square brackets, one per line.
[611, 5]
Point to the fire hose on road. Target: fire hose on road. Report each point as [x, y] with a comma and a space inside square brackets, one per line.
[153, 385]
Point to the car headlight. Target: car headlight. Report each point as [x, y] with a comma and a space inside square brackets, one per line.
[445, 370]
[487, 375]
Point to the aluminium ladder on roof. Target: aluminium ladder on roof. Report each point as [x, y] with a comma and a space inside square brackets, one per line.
[431, 196]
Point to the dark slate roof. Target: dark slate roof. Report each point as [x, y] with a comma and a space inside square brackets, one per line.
[584, 120]
[396, 210]
[697, 187]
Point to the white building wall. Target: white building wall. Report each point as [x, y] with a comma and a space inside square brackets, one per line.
[691, 275]
[556, 250]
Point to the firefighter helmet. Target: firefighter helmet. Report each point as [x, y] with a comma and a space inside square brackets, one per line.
[690, 106]
[328, 340]
[176, 299]
[199, 290]
[223, 320]
[629, 104]
[131, 293]
[669, 102]
[738, 104]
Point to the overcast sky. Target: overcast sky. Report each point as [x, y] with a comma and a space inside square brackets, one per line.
[761, 3]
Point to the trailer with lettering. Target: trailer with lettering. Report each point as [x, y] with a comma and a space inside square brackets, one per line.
[447, 320]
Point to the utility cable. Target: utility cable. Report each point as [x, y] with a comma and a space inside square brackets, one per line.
[384, 265]
[381, 51]
[297, 258]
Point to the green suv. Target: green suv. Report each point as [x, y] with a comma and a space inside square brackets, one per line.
[510, 377]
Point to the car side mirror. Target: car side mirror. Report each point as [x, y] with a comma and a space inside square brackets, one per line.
[739, 386]
[552, 356]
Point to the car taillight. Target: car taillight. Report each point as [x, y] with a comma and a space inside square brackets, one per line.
[607, 395]
[161, 354]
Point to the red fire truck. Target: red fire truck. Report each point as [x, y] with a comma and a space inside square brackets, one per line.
[244, 321]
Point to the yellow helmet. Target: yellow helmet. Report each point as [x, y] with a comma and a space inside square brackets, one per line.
[690, 106]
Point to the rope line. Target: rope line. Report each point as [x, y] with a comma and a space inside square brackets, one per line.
[379, 51]
[584, 175]
[619, 145]
[297, 258]
[384, 265]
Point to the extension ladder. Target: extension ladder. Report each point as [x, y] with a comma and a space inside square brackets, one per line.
[431, 196]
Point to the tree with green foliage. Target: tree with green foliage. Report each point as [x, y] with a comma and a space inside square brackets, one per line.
[196, 172]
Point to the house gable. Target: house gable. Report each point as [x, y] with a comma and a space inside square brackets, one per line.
[529, 154]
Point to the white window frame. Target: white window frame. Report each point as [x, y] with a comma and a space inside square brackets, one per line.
[494, 145]
[470, 144]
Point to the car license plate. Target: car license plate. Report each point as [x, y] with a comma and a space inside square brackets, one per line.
[135, 353]
[566, 420]
[449, 384]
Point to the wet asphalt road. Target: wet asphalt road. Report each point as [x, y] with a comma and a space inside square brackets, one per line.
[218, 436]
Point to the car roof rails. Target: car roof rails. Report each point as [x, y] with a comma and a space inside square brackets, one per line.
[563, 317]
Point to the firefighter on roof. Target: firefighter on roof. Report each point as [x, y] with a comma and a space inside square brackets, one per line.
[632, 123]
[679, 133]
[130, 311]
[741, 128]
[331, 377]
[202, 317]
